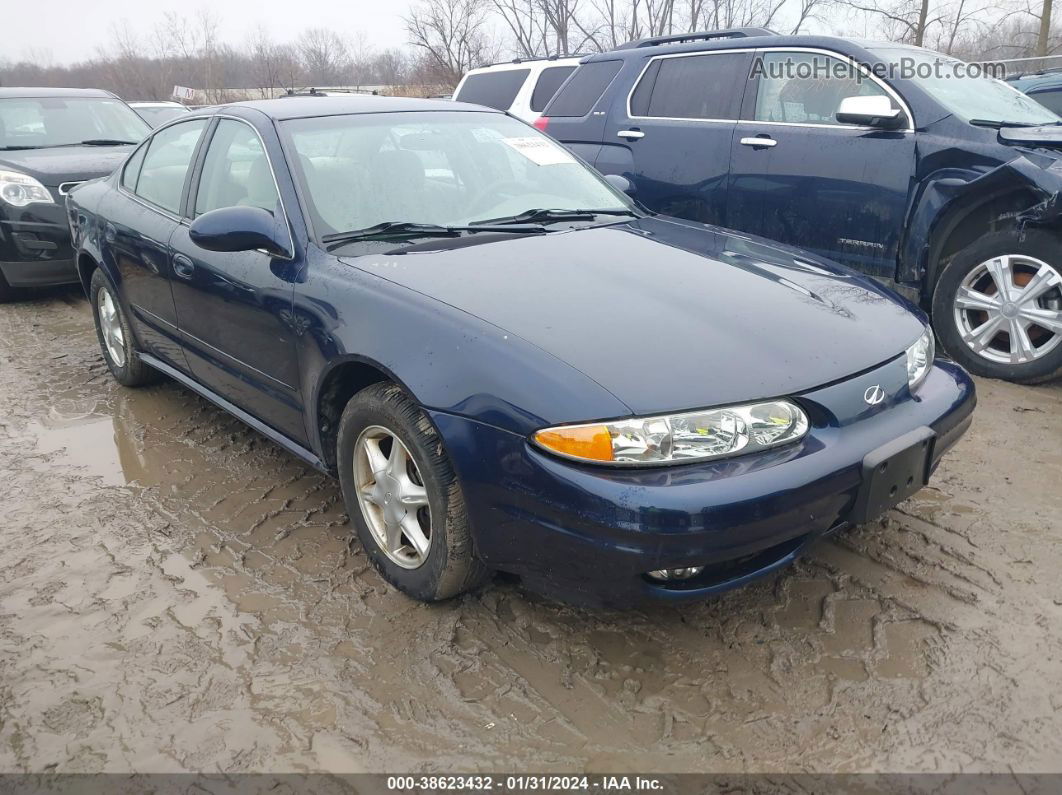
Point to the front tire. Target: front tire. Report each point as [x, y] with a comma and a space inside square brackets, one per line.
[403, 497]
[115, 335]
[997, 307]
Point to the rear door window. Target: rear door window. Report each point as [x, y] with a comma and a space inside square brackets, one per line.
[585, 88]
[692, 87]
[548, 83]
[166, 164]
[493, 89]
[131, 172]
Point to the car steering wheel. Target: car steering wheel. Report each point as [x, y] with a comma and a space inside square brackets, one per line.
[506, 186]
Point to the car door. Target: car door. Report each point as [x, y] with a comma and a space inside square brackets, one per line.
[234, 308]
[801, 177]
[142, 217]
[671, 134]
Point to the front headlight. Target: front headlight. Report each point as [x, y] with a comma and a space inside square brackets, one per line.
[920, 358]
[677, 438]
[19, 190]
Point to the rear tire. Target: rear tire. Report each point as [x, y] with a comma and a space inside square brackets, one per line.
[997, 307]
[115, 335]
[403, 497]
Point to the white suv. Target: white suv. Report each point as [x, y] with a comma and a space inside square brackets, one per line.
[522, 87]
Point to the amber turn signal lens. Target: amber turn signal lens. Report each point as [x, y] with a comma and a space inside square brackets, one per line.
[592, 442]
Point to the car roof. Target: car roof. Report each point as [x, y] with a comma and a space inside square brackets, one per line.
[528, 63]
[308, 107]
[154, 103]
[36, 93]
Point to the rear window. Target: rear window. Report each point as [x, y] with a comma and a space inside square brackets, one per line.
[548, 83]
[585, 88]
[493, 89]
[694, 87]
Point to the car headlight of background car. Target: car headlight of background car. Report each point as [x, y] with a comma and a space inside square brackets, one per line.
[19, 190]
[678, 438]
[920, 358]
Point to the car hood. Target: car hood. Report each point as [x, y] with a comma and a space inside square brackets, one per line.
[667, 315]
[53, 167]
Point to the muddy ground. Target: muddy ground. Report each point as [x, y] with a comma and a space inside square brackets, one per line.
[176, 593]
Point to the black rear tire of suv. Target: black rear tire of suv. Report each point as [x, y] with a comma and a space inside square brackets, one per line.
[130, 371]
[1018, 258]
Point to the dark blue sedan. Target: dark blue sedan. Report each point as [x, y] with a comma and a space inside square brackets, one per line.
[507, 364]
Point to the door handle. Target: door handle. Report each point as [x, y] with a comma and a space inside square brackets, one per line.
[631, 135]
[759, 140]
[183, 266]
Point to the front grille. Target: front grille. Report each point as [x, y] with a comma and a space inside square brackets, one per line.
[66, 187]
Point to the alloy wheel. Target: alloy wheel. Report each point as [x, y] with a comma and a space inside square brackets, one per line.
[1009, 309]
[111, 326]
[392, 497]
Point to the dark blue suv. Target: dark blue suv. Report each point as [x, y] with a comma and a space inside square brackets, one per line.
[891, 159]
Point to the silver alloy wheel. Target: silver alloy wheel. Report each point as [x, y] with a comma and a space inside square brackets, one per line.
[1009, 309]
[111, 326]
[392, 496]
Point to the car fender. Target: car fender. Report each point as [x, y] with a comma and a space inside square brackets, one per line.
[950, 195]
[449, 360]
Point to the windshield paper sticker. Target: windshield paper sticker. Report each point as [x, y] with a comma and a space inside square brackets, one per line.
[540, 151]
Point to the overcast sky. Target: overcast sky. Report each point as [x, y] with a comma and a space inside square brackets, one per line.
[63, 31]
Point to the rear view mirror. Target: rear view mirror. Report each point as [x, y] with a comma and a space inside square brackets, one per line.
[241, 229]
[869, 111]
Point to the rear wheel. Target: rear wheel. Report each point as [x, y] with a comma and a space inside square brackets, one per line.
[403, 497]
[115, 335]
[997, 307]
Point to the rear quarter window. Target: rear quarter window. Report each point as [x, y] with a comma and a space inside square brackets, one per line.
[548, 83]
[493, 89]
[584, 89]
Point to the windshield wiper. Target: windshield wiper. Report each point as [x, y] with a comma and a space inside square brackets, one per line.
[17, 148]
[103, 142]
[391, 229]
[539, 214]
[998, 124]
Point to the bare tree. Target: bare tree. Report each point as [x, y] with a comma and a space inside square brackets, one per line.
[325, 56]
[913, 21]
[451, 34]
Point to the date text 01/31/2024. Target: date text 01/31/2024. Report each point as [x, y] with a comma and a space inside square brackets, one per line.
[524, 783]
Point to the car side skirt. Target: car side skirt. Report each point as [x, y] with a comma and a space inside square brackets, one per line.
[273, 435]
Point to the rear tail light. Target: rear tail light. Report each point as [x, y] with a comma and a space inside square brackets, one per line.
[541, 123]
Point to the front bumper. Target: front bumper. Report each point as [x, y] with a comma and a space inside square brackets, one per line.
[35, 246]
[589, 534]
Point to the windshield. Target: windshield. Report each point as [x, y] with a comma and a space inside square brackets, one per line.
[38, 122]
[443, 168]
[158, 114]
[949, 81]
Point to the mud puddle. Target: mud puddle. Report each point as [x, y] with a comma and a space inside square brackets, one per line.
[176, 593]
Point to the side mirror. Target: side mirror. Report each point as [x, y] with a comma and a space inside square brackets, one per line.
[869, 111]
[620, 183]
[241, 229]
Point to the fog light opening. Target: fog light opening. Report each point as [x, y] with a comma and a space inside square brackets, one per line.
[668, 575]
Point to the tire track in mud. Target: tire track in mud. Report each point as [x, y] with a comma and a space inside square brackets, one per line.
[177, 593]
